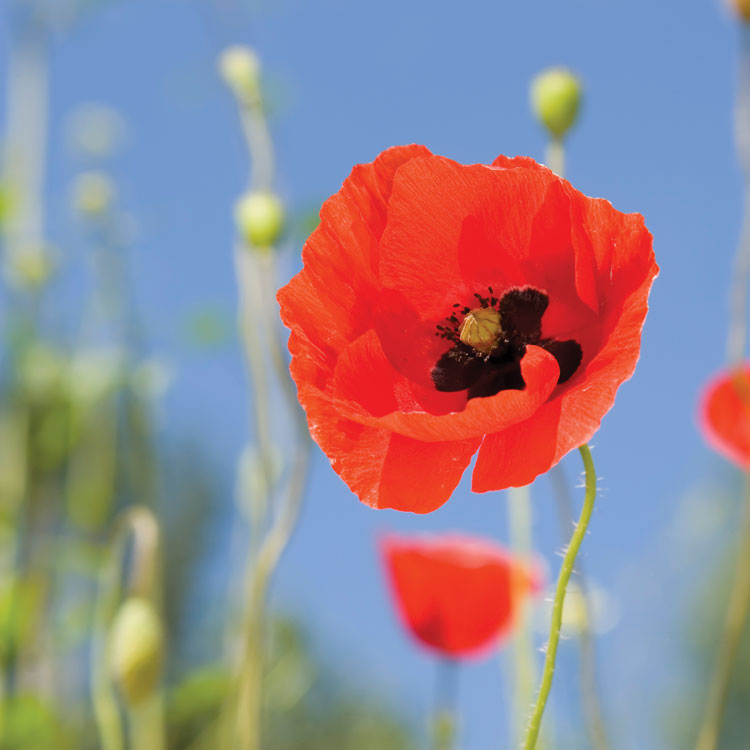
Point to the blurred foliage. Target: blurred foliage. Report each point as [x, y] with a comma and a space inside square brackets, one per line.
[306, 707]
[80, 445]
[702, 632]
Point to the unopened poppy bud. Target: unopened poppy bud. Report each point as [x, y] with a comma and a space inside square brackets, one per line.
[260, 218]
[555, 99]
[481, 329]
[136, 649]
[240, 68]
[93, 194]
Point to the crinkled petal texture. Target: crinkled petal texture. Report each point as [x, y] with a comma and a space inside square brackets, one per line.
[407, 241]
[456, 595]
[725, 415]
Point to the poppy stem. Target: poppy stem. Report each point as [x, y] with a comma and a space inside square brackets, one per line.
[444, 728]
[524, 654]
[566, 570]
[592, 709]
[740, 292]
[734, 625]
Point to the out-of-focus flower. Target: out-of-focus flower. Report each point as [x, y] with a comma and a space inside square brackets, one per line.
[457, 595]
[556, 99]
[240, 68]
[93, 194]
[741, 8]
[136, 649]
[260, 218]
[397, 392]
[724, 415]
[95, 130]
[31, 267]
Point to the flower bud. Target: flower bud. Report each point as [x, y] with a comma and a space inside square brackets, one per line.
[260, 218]
[555, 99]
[136, 649]
[93, 194]
[240, 68]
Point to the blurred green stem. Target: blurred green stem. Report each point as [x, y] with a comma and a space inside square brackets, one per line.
[444, 722]
[524, 658]
[566, 570]
[555, 156]
[740, 292]
[144, 581]
[26, 135]
[734, 624]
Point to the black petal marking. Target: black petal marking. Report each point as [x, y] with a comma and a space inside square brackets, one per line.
[568, 355]
[521, 310]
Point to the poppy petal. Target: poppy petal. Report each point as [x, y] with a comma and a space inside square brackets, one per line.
[725, 415]
[457, 595]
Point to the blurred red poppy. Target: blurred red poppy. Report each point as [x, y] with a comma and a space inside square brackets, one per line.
[457, 595]
[725, 415]
[446, 309]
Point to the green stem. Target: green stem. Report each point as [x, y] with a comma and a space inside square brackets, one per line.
[555, 156]
[566, 570]
[139, 522]
[444, 727]
[734, 624]
[519, 522]
[592, 709]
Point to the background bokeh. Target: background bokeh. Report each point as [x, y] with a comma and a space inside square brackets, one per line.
[344, 80]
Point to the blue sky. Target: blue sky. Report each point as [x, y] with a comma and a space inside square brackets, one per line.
[350, 78]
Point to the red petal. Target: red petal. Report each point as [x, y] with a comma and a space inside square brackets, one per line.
[331, 298]
[379, 400]
[725, 415]
[384, 469]
[456, 595]
[517, 456]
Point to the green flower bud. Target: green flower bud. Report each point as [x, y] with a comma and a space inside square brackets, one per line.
[240, 68]
[136, 649]
[260, 218]
[93, 194]
[556, 99]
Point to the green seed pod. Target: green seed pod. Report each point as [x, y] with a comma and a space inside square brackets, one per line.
[136, 649]
[240, 68]
[556, 99]
[260, 218]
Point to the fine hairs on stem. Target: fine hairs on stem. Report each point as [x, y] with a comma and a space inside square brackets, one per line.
[532, 733]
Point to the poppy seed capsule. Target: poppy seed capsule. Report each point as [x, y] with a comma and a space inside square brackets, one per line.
[260, 218]
[481, 329]
[555, 99]
[136, 649]
[240, 68]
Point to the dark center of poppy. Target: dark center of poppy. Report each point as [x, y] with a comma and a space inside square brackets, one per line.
[490, 341]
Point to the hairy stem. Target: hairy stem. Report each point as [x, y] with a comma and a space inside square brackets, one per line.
[532, 733]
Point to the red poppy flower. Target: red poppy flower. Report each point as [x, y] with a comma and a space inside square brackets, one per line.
[725, 415]
[457, 595]
[446, 309]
